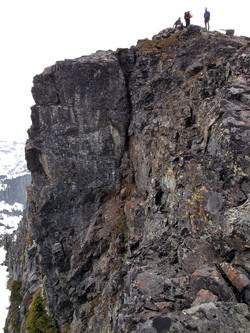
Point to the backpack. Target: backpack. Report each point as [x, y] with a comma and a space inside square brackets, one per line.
[186, 15]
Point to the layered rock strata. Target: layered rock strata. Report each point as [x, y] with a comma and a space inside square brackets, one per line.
[138, 213]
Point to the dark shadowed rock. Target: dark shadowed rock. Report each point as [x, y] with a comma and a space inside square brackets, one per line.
[161, 324]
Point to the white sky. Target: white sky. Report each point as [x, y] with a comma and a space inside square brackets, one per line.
[37, 33]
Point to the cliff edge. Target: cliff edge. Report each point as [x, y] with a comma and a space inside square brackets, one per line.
[137, 217]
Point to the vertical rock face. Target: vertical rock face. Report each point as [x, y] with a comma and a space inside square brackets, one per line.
[138, 212]
[76, 144]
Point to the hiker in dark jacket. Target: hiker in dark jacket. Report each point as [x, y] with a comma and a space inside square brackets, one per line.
[178, 24]
[187, 17]
[206, 19]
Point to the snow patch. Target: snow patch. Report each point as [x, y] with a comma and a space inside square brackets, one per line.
[10, 208]
[3, 187]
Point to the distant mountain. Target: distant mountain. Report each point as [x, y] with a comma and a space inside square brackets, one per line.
[14, 178]
[12, 159]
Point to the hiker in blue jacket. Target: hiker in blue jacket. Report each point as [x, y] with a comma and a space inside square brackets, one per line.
[206, 18]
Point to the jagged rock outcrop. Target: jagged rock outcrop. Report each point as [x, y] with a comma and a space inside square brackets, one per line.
[138, 212]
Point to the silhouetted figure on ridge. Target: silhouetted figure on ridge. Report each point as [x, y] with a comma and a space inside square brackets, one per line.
[178, 24]
[206, 19]
[187, 17]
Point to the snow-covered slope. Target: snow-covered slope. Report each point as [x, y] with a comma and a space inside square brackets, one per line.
[10, 216]
[12, 160]
[14, 178]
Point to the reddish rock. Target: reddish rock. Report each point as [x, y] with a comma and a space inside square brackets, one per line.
[164, 305]
[210, 279]
[239, 280]
[195, 254]
[204, 296]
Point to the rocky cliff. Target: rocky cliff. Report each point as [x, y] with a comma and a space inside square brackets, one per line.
[138, 213]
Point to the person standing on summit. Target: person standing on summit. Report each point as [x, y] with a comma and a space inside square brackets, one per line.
[206, 19]
[187, 17]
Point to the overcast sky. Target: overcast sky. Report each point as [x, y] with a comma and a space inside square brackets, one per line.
[37, 33]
